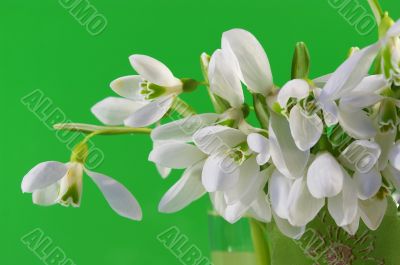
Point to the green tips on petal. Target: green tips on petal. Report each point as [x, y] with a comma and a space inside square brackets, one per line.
[301, 62]
[387, 116]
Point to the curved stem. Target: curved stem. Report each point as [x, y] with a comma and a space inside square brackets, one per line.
[376, 9]
[260, 244]
[98, 130]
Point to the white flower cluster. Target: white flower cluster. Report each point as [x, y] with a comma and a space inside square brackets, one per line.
[331, 140]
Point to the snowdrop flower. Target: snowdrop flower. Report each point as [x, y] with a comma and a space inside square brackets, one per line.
[371, 211]
[253, 201]
[250, 60]
[173, 149]
[362, 158]
[229, 158]
[55, 182]
[349, 86]
[146, 97]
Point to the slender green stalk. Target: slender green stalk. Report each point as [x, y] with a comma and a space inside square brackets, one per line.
[261, 108]
[377, 10]
[97, 130]
[260, 243]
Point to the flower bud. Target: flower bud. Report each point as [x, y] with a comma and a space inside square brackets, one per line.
[301, 62]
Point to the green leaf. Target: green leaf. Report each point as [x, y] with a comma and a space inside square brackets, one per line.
[325, 243]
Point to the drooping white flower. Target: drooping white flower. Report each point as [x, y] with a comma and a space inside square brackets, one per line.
[362, 157]
[146, 97]
[251, 61]
[291, 200]
[55, 182]
[371, 212]
[302, 103]
[248, 199]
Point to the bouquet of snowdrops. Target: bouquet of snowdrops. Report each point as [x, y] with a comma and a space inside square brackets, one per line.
[323, 144]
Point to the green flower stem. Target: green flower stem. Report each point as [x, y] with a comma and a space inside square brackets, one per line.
[377, 10]
[261, 108]
[260, 243]
[97, 130]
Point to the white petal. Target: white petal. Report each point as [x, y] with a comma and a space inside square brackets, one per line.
[220, 172]
[394, 156]
[234, 212]
[303, 207]
[218, 138]
[287, 229]
[224, 81]
[188, 189]
[113, 111]
[183, 129]
[373, 211]
[297, 88]
[350, 73]
[128, 86]
[371, 84]
[150, 113]
[386, 142]
[343, 207]
[252, 59]
[368, 184]
[47, 196]
[176, 155]
[360, 155]
[279, 189]
[393, 175]
[322, 80]
[353, 227]
[43, 175]
[331, 113]
[164, 171]
[231, 213]
[248, 184]
[306, 129]
[153, 71]
[260, 145]
[357, 124]
[117, 196]
[288, 159]
[359, 100]
[325, 176]
[261, 209]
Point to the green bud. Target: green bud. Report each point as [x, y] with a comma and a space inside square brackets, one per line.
[301, 62]
[189, 84]
[204, 62]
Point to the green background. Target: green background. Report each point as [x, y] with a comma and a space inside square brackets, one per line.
[43, 47]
